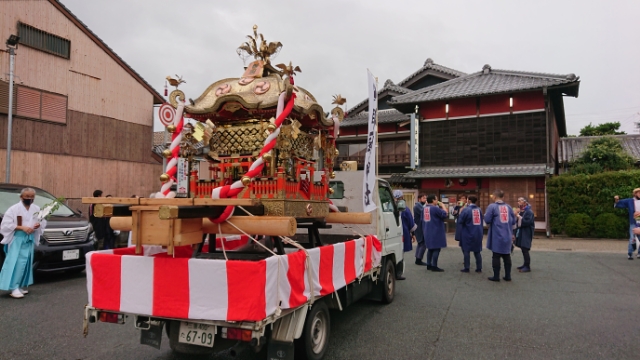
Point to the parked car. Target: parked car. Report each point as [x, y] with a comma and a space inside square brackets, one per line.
[66, 239]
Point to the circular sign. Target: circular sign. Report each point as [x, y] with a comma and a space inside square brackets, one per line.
[166, 114]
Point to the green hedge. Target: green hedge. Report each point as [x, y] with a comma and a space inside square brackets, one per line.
[591, 195]
[578, 225]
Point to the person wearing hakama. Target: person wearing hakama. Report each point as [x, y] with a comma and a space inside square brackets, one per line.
[524, 233]
[418, 210]
[471, 233]
[408, 227]
[500, 219]
[21, 230]
[434, 215]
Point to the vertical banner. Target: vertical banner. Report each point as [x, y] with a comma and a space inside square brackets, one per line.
[369, 182]
[415, 142]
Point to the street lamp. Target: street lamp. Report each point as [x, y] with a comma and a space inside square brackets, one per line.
[12, 45]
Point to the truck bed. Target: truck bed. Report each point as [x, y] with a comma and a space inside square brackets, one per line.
[182, 287]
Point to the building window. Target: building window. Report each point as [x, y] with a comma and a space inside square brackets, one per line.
[393, 152]
[44, 41]
[40, 105]
[351, 152]
[539, 205]
[4, 98]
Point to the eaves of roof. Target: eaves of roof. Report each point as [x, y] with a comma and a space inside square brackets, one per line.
[157, 98]
[479, 171]
[384, 117]
[430, 65]
[486, 82]
[571, 148]
[389, 87]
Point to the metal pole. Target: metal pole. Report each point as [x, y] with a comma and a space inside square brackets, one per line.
[12, 55]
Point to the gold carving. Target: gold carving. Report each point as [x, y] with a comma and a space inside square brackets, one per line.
[173, 97]
[296, 208]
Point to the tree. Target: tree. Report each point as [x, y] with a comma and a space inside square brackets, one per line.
[610, 128]
[604, 154]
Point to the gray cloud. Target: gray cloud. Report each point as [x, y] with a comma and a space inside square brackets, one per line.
[334, 42]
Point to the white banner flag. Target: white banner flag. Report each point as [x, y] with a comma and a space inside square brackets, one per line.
[369, 181]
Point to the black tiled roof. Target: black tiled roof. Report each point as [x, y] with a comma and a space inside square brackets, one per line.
[478, 171]
[485, 82]
[430, 65]
[571, 148]
[388, 86]
[384, 117]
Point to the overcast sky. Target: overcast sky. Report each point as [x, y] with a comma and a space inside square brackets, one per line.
[334, 42]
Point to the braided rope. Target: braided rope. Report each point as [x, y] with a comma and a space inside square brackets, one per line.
[171, 167]
[230, 191]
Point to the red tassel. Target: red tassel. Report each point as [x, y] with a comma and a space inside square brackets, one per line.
[166, 92]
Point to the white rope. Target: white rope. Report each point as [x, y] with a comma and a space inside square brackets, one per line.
[221, 242]
[245, 210]
[251, 237]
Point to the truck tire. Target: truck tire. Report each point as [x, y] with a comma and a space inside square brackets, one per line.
[173, 330]
[315, 337]
[388, 282]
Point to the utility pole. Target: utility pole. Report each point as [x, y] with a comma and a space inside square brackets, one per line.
[12, 45]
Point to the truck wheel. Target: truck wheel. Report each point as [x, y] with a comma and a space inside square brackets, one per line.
[313, 343]
[388, 282]
[173, 331]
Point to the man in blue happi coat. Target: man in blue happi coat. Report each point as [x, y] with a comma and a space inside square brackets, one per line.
[633, 207]
[433, 230]
[418, 210]
[501, 219]
[21, 229]
[471, 233]
[408, 226]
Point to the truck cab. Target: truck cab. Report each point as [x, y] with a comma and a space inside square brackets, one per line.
[387, 226]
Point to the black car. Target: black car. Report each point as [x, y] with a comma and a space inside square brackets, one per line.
[66, 239]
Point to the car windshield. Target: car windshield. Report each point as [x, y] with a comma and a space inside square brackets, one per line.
[9, 197]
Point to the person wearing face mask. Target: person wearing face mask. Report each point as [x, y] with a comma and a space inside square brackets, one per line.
[633, 206]
[524, 232]
[418, 209]
[21, 230]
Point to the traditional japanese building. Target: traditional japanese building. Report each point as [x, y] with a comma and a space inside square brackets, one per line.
[393, 125]
[477, 132]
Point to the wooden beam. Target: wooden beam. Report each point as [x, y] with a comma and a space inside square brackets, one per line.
[109, 210]
[191, 212]
[110, 200]
[225, 202]
[173, 201]
[265, 225]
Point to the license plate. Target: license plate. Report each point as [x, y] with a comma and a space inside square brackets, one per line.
[70, 254]
[197, 334]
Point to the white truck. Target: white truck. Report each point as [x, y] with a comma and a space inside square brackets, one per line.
[301, 330]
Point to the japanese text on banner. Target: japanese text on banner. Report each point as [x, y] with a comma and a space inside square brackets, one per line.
[369, 181]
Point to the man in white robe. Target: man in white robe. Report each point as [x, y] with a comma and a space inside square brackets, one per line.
[22, 226]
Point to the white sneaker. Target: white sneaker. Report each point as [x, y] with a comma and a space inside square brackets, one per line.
[24, 291]
[638, 255]
[16, 294]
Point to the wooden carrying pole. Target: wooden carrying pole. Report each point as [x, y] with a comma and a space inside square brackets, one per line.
[349, 218]
[265, 225]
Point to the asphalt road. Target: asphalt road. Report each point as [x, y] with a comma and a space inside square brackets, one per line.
[571, 306]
